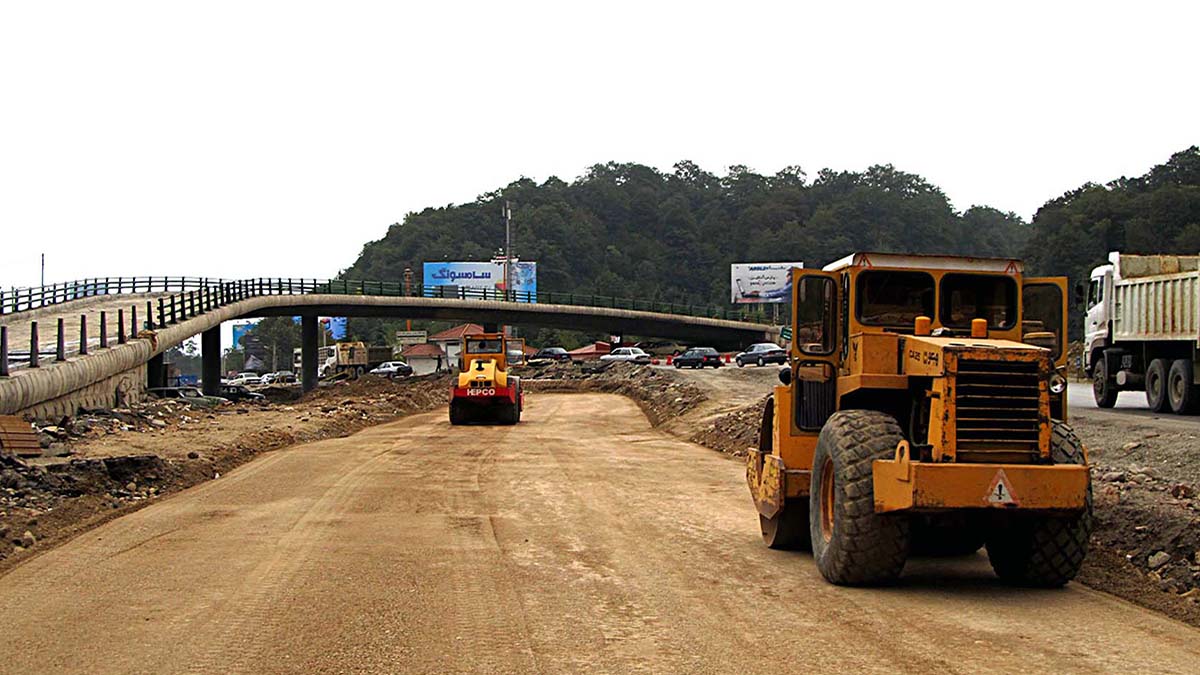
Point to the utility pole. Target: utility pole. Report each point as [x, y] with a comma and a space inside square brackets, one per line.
[507, 249]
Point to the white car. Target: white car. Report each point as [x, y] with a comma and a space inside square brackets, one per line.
[247, 379]
[629, 354]
[393, 369]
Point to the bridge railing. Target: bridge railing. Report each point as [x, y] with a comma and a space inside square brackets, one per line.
[179, 291]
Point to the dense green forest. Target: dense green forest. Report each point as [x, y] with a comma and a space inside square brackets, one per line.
[1155, 213]
[634, 231]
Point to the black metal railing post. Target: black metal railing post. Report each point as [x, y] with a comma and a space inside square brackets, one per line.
[120, 325]
[3, 351]
[83, 335]
[162, 314]
[34, 347]
[60, 349]
[103, 330]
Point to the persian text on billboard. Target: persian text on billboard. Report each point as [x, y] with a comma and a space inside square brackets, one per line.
[758, 283]
[482, 276]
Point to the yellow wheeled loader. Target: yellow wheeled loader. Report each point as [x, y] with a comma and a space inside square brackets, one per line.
[924, 412]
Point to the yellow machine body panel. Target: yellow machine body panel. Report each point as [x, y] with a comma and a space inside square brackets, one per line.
[901, 333]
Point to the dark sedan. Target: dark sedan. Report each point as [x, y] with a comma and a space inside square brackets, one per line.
[236, 393]
[698, 357]
[551, 354]
[762, 354]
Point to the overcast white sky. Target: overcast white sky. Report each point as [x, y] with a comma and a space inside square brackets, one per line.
[246, 139]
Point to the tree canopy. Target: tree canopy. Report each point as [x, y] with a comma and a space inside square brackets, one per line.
[633, 231]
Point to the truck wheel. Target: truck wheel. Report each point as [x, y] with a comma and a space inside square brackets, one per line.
[944, 537]
[788, 530]
[1041, 550]
[1102, 388]
[853, 545]
[1180, 390]
[1156, 385]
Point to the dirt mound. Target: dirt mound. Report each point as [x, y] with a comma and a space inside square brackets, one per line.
[732, 433]
[103, 463]
[660, 394]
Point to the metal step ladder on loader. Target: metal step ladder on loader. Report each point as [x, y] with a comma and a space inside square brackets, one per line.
[924, 413]
[485, 391]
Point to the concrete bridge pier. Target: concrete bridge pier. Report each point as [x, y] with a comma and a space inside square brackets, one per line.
[210, 361]
[156, 372]
[308, 352]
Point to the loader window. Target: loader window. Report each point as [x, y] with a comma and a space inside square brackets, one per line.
[816, 313]
[1043, 313]
[894, 298]
[483, 347]
[978, 296]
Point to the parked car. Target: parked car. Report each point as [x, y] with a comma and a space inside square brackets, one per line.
[247, 379]
[661, 347]
[551, 354]
[762, 354]
[698, 357]
[393, 369]
[237, 393]
[628, 354]
[279, 377]
[190, 395]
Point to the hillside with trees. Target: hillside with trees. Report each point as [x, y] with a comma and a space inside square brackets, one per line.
[1158, 212]
[632, 231]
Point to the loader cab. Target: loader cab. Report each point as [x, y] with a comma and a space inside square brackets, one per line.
[851, 319]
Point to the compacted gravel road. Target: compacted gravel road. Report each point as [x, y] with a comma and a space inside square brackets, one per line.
[580, 540]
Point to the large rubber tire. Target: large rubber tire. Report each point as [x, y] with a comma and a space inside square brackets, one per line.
[788, 530]
[852, 544]
[1181, 391]
[458, 413]
[1156, 385]
[944, 537]
[1044, 550]
[1102, 387]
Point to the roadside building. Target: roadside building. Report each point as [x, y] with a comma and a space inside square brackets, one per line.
[426, 358]
[590, 352]
[450, 340]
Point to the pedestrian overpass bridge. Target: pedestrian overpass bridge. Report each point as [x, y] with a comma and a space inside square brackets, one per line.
[101, 372]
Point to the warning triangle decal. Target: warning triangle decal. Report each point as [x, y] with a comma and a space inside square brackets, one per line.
[1000, 493]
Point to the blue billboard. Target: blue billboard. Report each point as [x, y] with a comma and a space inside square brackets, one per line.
[240, 330]
[483, 276]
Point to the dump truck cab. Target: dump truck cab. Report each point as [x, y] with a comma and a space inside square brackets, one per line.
[923, 411]
[485, 390]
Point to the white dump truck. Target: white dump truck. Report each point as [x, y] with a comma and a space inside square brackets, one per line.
[1142, 330]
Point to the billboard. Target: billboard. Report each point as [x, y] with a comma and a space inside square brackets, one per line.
[239, 331]
[760, 283]
[481, 275]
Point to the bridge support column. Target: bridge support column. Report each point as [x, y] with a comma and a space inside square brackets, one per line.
[308, 352]
[156, 372]
[210, 361]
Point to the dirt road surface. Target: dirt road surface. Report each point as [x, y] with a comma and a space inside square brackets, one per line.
[580, 540]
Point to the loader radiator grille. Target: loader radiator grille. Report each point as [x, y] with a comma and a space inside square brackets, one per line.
[997, 409]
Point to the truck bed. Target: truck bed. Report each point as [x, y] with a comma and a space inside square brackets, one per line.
[1156, 298]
